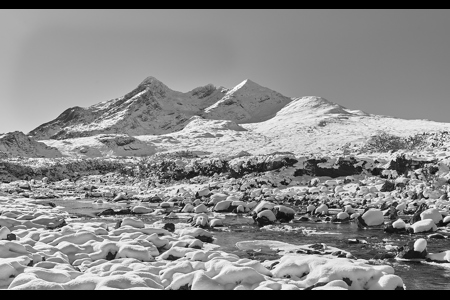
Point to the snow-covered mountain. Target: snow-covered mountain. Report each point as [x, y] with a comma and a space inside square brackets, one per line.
[248, 102]
[216, 121]
[153, 108]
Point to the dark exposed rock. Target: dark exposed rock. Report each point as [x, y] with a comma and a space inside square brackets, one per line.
[388, 186]
[118, 224]
[315, 285]
[110, 256]
[390, 229]
[436, 236]
[282, 216]
[205, 239]
[345, 167]
[263, 221]
[112, 212]
[106, 212]
[408, 252]
[11, 237]
[169, 227]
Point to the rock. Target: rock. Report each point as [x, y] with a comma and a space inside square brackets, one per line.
[399, 224]
[353, 241]
[321, 210]
[436, 236]
[413, 251]
[120, 197]
[4, 232]
[141, 210]
[169, 227]
[423, 226]
[342, 216]
[11, 237]
[446, 220]
[188, 208]
[373, 217]
[420, 245]
[25, 186]
[216, 198]
[265, 217]
[223, 206]
[431, 213]
[215, 223]
[134, 222]
[283, 213]
[155, 199]
[165, 205]
[388, 186]
[349, 209]
[201, 208]
[118, 224]
[441, 257]
[107, 212]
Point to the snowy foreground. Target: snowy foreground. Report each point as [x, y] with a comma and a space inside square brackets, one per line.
[97, 255]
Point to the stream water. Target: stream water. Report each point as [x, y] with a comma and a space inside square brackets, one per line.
[415, 275]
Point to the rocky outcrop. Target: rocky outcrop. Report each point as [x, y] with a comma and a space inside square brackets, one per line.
[14, 144]
[181, 166]
[337, 168]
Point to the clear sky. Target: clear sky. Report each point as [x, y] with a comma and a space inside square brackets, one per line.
[389, 62]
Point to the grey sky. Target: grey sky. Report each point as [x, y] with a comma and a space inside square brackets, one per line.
[390, 62]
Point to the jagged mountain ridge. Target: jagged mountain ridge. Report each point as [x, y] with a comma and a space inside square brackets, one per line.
[153, 108]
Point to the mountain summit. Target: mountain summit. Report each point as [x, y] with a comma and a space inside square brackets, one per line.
[248, 102]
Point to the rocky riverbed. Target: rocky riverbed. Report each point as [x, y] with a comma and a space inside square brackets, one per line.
[250, 222]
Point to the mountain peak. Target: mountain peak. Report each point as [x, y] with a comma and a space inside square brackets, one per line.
[247, 82]
[151, 81]
[313, 106]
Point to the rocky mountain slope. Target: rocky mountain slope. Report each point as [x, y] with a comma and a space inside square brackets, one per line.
[103, 145]
[16, 143]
